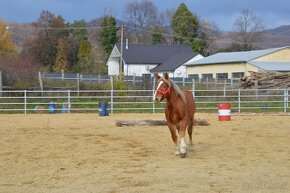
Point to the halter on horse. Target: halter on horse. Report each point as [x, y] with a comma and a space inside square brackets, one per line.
[179, 111]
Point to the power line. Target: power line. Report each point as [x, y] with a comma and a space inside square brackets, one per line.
[169, 35]
[58, 28]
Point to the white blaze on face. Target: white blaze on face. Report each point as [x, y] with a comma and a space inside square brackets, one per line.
[159, 85]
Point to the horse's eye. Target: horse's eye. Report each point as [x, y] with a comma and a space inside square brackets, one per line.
[164, 86]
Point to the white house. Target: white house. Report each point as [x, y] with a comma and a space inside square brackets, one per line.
[139, 59]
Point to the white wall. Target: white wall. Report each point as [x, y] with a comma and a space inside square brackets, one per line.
[113, 62]
[113, 66]
[138, 69]
[181, 71]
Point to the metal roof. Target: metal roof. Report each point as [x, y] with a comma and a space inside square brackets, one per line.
[173, 62]
[272, 66]
[231, 57]
[150, 53]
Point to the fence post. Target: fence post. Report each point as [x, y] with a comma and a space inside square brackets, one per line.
[62, 74]
[225, 88]
[112, 94]
[183, 81]
[287, 97]
[68, 101]
[25, 102]
[256, 90]
[78, 83]
[239, 101]
[153, 102]
[1, 84]
[99, 79]
[40, 82]
[193, 87]
[285, 100]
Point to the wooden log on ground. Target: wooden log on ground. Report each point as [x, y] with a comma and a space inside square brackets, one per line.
[140, 123]
[119, 123]
[200, 122]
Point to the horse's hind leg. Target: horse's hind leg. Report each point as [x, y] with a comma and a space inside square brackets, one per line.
[189, 130]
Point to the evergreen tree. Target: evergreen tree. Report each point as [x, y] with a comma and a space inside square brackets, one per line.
[108, 34]
[61, 60]
[185, 25]
[157, 37]
[77, 32]
[200, 45]
[84, 58]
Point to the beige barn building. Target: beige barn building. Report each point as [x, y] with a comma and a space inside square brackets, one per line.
[233, 65]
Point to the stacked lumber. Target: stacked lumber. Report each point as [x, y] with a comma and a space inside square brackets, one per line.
[266, 80]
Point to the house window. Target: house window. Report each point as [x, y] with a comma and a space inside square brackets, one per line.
[238, 74]
[222, 76]
[193, 76]
[207, 76]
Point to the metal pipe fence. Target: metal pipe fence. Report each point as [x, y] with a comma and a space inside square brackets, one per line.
[133, 80]
[71, 101]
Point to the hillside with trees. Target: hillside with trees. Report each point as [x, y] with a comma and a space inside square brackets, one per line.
[51, 44]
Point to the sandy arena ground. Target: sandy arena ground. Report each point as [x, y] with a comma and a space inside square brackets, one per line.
[86, 153]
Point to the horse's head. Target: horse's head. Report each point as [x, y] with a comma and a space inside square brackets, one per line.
[163, 87]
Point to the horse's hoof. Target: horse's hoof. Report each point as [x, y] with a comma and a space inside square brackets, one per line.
[177, 153]
[191, 148]
[182, 155]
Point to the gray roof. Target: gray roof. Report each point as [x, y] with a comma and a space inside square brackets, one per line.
[231, 57]
[173, 62]
[150, 54]
[272, 66]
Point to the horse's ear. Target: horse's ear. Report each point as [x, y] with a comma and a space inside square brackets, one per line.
[157, 77]
[165, 75]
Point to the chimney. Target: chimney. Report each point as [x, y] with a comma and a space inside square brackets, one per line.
[126, 43]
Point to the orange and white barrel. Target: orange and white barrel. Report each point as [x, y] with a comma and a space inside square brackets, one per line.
[224, 112]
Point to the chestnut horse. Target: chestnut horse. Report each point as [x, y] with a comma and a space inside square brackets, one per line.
[179, 111]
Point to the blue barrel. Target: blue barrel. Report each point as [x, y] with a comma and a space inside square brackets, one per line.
[52, 108]
[103, 109]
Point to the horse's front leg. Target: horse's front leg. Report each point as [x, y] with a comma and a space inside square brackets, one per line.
[183, 146]
[189, 130]
[172, 130]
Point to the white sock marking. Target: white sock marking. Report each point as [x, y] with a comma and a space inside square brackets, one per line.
[182, 146]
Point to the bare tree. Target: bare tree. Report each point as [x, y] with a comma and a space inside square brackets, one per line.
[164, 22]
[249, 29]
[208, 32]
[140, 15]
[165, 17]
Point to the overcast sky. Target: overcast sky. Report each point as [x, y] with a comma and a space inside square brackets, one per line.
[222, 12]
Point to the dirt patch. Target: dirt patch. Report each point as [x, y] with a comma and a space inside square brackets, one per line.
[88, 153]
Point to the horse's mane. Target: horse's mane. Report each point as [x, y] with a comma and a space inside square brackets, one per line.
[176, 89]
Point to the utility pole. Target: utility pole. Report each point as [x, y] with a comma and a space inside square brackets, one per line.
[121, 58]
[1, 84]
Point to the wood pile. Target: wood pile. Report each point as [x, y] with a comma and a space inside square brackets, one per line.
[196, 121]
[266, 80]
